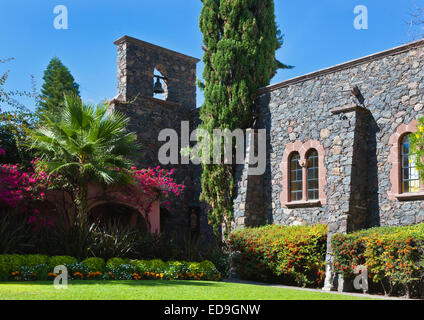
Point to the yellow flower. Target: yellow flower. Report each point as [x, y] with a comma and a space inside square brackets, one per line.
[421, 129]
[417, 135]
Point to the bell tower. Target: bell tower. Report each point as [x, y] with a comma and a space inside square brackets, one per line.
[144, 70]
[157, 90]
[137, 62]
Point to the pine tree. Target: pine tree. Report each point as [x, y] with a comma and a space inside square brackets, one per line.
[240, 40]
[58, 80]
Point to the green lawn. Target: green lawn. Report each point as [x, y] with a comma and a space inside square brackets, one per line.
[157, 290]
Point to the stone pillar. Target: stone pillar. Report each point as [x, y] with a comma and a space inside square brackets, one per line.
[348, 180]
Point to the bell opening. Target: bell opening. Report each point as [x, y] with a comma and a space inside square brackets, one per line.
[159, 86]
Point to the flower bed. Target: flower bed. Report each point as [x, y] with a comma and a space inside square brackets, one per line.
[40, 268]
[393, 256]
[289, 255]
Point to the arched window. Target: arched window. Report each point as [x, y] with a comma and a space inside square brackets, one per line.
[312, 175]
[303, 175]
[296, 184]
[410, 179]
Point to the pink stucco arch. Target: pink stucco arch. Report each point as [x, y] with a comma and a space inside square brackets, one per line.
[98, 196]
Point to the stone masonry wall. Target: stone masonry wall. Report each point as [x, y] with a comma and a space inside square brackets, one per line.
[355, 111]
[137, 61]
[354, 132]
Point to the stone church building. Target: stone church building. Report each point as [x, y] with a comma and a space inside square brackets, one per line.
[337, 139]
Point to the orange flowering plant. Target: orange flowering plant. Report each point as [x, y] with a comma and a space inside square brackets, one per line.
[390, 254]
[291, 255]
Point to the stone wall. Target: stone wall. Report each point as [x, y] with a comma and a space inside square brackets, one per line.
[356, 111]
[355, 132]
[148, 115]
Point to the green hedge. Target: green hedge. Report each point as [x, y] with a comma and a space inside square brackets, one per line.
[39, 267]
[289, 255]
[94, 264]
[394, 256]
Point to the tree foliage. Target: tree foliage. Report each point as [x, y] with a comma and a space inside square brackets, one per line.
[86, 144]
[14, 121]
[58, 80]
[416, 22]
[240, 40]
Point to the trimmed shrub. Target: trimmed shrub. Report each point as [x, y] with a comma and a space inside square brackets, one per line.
[157, 266]
[194, 267]
[289, 255]
[393, 256]
[33, 260]
[209, 270]
[141, 266]
[115, 262]
[10, 263]
[94, 264]
[61, 260]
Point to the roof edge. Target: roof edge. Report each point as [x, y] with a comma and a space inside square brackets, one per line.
[342, 66]
[153, 46]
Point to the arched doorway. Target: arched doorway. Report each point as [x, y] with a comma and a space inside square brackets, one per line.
[108, 214]
[165, 216]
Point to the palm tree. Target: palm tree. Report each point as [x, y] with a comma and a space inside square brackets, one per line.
[86, 144]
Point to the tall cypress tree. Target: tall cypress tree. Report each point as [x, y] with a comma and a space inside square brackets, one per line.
[240, 40]
[58, 80]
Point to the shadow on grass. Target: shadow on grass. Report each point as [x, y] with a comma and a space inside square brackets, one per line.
[150, 283]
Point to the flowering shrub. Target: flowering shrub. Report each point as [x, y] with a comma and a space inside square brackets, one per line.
[278, 253]
[77, 270]
[122, 271]
[151, 185]
[13, 267]
[95, 275]
[395, 254]
[17, 185]
[32, 273]
[176, 270]
[21, 187]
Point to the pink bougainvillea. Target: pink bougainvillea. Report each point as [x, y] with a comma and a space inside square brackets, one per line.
[2, 152]
[151, 185]
[19, 187]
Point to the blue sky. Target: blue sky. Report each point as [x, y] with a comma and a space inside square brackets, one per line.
[318, 34]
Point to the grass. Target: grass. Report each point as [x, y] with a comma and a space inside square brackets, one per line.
[157, 290]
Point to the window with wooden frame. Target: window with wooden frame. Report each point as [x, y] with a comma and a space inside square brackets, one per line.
[296, 178]
[312, 175]
[404, 177]
[410, 178]
[303, 175]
